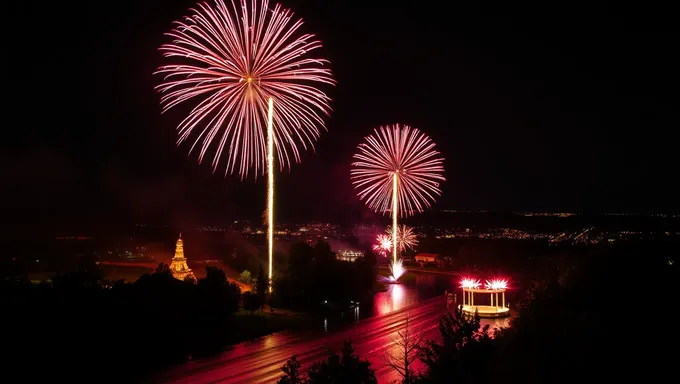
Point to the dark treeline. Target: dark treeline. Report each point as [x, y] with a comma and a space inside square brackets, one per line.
[313, 275]
[598, 316]
[595, 313]
[592, 316]
[342, 368]
[78, 325]
[74, 326]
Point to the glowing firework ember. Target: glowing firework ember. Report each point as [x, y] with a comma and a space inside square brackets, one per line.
[397, 269]
[398, 171]
[470, 283]
[497, 284]
[384, 244]
[231, 60]
[406, 238]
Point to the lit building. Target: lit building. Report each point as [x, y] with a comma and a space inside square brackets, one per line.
[348, 255]
[473, 290]
[426, 258]
[179, 268]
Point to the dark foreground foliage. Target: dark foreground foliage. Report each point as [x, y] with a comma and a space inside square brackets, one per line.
[79, 326]
[594, 317]
[314, 275]
[76, 327]
[346, 368]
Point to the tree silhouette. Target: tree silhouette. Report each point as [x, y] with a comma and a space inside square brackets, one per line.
[464, 348]
[245, 277]
[163, 268]
[344, 369]
[291, 372]
[323, 252]
[251, 302]
[262, 285]
[190, 279]
[217, 298]
[407, 349]
[315, 276]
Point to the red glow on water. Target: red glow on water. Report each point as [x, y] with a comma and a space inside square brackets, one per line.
[391, 300]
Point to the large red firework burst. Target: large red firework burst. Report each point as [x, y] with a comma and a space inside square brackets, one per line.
[229, 59]
[403, 153]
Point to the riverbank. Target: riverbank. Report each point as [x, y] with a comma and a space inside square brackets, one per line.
[261, 361]
[407, 277]
[385, 269]
[265, 322]
[248, 327]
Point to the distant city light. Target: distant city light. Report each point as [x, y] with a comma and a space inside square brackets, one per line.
[348, 255]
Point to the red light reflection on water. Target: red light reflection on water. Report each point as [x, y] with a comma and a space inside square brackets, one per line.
[395, 298]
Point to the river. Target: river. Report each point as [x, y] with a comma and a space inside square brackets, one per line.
[372, 327]
[414, 287]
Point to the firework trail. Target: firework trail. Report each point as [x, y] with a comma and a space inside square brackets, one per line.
[398, 171]
[397, 155]
[253, 89]
[228, 60]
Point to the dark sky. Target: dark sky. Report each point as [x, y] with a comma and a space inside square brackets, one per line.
[544, 106]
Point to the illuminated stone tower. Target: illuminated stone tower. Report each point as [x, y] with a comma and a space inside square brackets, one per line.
[180, 269]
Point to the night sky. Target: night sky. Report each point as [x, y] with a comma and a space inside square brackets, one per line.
[535, 107]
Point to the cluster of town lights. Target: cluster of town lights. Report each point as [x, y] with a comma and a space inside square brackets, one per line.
[493, 284]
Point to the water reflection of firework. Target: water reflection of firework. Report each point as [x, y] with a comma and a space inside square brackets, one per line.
[397, 293]
[393, 299]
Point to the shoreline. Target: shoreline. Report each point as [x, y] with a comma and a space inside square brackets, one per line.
[423, 270]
